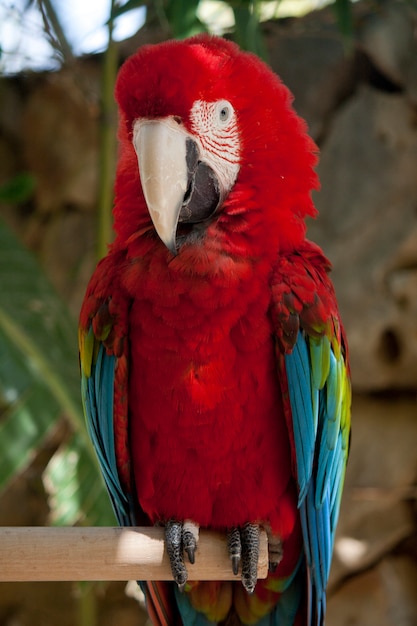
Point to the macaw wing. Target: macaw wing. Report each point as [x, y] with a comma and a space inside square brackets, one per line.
[103, 344]
[316, 389]
[319, 394]
[104, 384]
[98, 376]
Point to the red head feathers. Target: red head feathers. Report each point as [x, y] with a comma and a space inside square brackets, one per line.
[274, 157]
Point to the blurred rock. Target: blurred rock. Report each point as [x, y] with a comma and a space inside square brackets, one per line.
[12, 96]
[383, 596]
[63, 238]
[52, 603]
[388, 36]
[310, 58]
[60, 128]
[26, 604]
[399, 581]
[376, 513]
[367, 227]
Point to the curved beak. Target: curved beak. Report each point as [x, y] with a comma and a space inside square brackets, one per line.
[162, 156]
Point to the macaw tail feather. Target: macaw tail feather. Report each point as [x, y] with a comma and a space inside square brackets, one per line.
[167, 606]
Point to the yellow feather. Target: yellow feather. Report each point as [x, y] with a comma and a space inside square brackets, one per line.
[88, 350]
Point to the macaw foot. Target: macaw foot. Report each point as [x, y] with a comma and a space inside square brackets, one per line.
[243, 545]
[275, 551]
[181, 537]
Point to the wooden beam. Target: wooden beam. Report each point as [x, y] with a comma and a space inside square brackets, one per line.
[49, 553]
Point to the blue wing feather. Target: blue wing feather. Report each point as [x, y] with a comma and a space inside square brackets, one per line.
[319, 397]
[98, 393]
[302, 406]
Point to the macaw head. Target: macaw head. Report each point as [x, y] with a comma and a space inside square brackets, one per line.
[208, 135]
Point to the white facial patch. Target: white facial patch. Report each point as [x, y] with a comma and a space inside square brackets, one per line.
[215, 126]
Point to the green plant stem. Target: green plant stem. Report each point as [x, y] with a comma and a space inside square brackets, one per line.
[107, 143]
[87, 604]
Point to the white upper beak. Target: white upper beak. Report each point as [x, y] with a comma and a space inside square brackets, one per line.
[160, 146]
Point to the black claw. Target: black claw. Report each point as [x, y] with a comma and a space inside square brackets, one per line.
[275, 552]
[181, 581]
[190, 545]
[275, 549]
[234, 546]
[235, 564]
[191, 555]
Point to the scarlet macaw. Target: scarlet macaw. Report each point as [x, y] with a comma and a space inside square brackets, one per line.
[214, 365]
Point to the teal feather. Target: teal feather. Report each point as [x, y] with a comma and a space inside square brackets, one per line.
[315, 399]
[333, 386]
[189, 616]
[319, 399]
[98, 395]
[286, 610]
[298, 369]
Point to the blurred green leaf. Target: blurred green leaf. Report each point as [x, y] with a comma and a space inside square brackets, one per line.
[74, 484]
[182, 17]
[130, 5]
[39, 325]
[343, 12]
[19, 189]
[39, 379]
[22, 396]
[247, 31]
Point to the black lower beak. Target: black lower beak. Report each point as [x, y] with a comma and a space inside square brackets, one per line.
[203, 193]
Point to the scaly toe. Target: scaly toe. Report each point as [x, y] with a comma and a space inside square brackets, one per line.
[180, 537]
[173, 541]
[234, 546]
[275, 549]
[243, 547]
[250, 555]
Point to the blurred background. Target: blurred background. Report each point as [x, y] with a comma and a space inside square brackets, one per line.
[352, 68]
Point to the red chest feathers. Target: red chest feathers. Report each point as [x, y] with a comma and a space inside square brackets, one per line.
[209, 440]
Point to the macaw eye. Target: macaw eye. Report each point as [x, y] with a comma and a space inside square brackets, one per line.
[225, 111]
[224, 114]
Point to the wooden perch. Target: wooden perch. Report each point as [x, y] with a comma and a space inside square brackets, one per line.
[44, 554]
